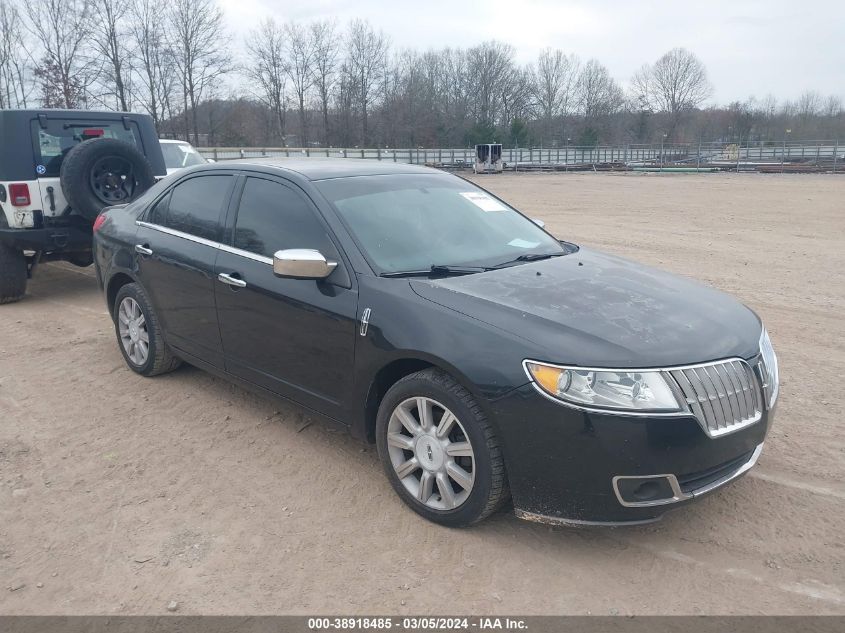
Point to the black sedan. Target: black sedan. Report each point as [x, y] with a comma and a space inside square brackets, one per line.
[487, 360]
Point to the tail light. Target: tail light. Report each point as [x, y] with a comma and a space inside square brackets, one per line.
[101, 219]
[19, 193]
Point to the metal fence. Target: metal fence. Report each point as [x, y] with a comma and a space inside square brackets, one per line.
[793, 156]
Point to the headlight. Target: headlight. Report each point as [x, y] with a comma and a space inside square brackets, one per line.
[769, 369]
[642, 391]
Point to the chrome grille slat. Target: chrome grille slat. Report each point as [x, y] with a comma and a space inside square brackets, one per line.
[746, 404]
[724, 396]
[704, 396]
[730, 385]
[747, 385]
[718, 402]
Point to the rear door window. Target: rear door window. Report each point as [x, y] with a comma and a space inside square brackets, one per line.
[195, 206]
[52, 142]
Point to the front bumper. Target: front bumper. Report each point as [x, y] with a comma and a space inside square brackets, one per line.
[566, 466]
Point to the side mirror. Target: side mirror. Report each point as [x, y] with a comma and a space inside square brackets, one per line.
[302, 263]
[539, 222]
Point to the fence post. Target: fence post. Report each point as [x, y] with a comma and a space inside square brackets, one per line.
[835, 154]
[783, 155]
[378, 153]
[394, 155]
[215, 156]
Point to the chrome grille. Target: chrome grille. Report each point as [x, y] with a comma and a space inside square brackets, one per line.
[724, 396]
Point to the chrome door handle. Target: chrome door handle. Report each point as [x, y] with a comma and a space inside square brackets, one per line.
[231, 281]
[143, 250]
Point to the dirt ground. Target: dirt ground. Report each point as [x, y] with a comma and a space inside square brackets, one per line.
[120, 494]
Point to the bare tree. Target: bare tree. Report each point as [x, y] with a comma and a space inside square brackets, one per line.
[300, 57]
[267, 67]
[367, 58]
[325, 44]
[62, 27]
[15, 84]
[153, 60]
[599, 94]
[553, 85]
[110, 40]
[833, 106]
[809, 104]
[198, 51]
[676, 83]
[489, 64]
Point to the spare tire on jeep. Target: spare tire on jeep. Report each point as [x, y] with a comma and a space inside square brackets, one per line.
[102, 172]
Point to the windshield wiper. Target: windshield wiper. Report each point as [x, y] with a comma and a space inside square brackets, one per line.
[438, 269]
[528, 257]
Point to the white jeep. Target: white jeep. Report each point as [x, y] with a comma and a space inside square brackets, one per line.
[58, 170]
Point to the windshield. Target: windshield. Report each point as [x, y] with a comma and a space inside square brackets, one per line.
[412, 222]
[178, 155]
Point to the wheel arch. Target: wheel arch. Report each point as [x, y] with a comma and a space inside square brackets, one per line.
[115, 283]
[392, 372]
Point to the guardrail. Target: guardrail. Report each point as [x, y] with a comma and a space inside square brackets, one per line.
[794, 156]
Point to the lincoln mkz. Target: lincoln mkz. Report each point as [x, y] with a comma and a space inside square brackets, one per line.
[490, 362]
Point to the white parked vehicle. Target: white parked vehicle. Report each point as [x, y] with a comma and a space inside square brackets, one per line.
[488, 158]
[179, 154]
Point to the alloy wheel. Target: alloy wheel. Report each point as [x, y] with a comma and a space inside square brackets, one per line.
[134, 335]
[431, 453]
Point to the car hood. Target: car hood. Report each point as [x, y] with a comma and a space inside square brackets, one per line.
[597, 310]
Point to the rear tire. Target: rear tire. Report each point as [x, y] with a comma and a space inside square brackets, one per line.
[139, 334]
[12, 274]
[455, 478]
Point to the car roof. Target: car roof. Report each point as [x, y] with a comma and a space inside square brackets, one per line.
[72, 114]
[325, 168]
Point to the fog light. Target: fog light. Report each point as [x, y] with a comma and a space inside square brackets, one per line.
[649, 490]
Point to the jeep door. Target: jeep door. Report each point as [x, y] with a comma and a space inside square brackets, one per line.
[295, 337]
[176, 246]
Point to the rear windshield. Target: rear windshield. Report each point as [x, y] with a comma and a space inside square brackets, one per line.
[53, 142]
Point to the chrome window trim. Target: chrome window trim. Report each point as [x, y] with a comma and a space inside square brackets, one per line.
[247, 254]
[175, 233]
[201, 240]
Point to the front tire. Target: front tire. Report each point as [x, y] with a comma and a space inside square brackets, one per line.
[12, 274]
[439, 451]
[139, 333]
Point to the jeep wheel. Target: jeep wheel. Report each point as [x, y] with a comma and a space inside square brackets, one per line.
[12, 274]
[102, 172]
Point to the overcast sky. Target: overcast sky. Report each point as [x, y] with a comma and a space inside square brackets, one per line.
[750, 47]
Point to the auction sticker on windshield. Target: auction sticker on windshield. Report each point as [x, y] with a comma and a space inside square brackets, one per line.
[483, 201]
